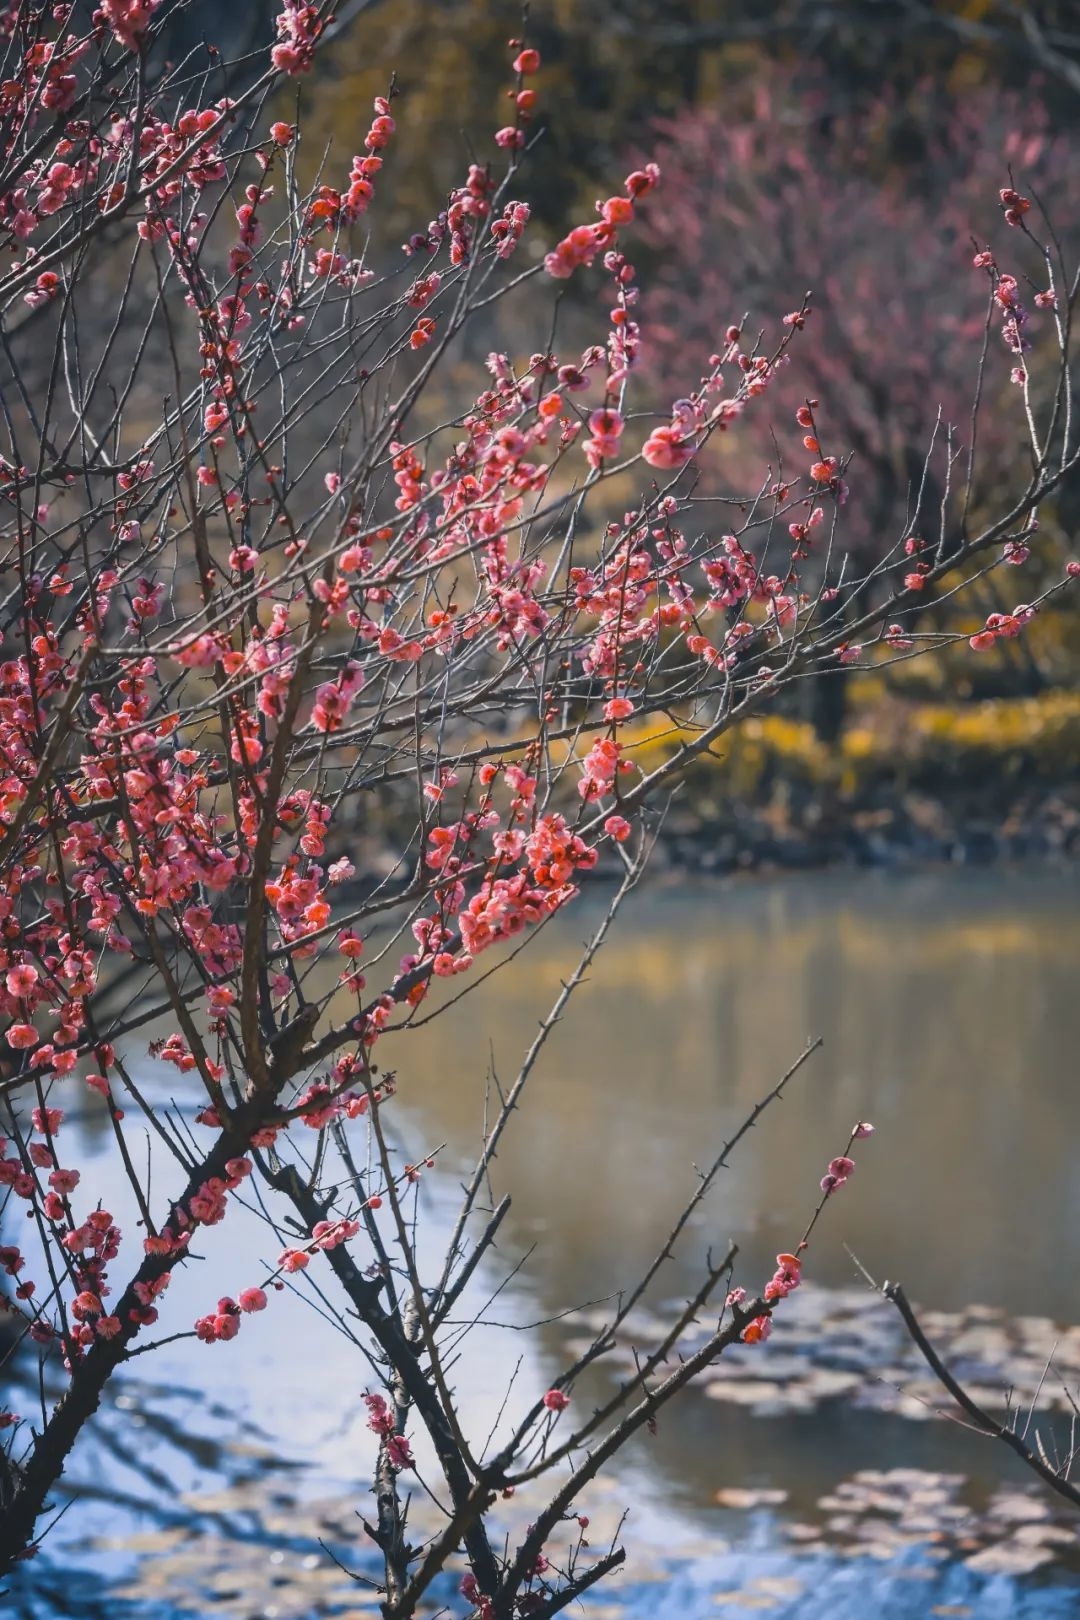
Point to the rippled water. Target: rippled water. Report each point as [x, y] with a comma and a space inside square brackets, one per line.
[950, 1011]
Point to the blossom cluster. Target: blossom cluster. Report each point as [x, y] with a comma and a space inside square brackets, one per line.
[381, 1421]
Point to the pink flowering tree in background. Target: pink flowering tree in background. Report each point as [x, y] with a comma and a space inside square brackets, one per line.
[262, 597]
[811, 195]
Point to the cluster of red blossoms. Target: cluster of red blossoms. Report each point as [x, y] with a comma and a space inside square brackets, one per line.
[526, 62]
[129, 19]
[470, 1591]
[584, 242]
[224, 1323]
[788, 1274]
[1005, 625]
[331, 208]
[381, 1421]
[298, 30]
[785, 1280]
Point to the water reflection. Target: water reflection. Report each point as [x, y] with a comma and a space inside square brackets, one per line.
[950, 1017]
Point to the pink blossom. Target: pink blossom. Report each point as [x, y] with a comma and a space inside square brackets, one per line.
[837, 1174]
[599, 768]
[22, 979]
[785, 1279]
[129, 19]
[606, 423]
[1013, 205]
[616, 211]
[298, 29]
[666, 449]
[758, 1330]
[642, 180]
[399, 1452]
[579, 247]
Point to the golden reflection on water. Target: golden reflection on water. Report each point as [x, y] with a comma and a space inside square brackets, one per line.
[950, 1011]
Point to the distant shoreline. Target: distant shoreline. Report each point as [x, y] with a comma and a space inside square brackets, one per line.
[914, 830]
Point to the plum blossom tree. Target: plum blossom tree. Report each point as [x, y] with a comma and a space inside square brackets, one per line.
[814, 196]
[257, 585]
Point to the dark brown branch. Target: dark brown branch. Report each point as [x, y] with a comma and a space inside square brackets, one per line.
[568, 1594]
[979, 1416]
[404, 1359]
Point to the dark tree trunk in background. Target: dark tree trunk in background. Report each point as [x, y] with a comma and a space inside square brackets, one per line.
[827, 704]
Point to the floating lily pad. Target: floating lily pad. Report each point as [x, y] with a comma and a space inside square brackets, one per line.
[732, 1497]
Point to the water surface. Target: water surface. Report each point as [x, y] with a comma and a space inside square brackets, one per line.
[950, 1015]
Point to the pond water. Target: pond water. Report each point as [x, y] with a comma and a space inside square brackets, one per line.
[949, 1007]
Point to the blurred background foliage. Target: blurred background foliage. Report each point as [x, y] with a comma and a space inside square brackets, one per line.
[613, 66]
[855, 146]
